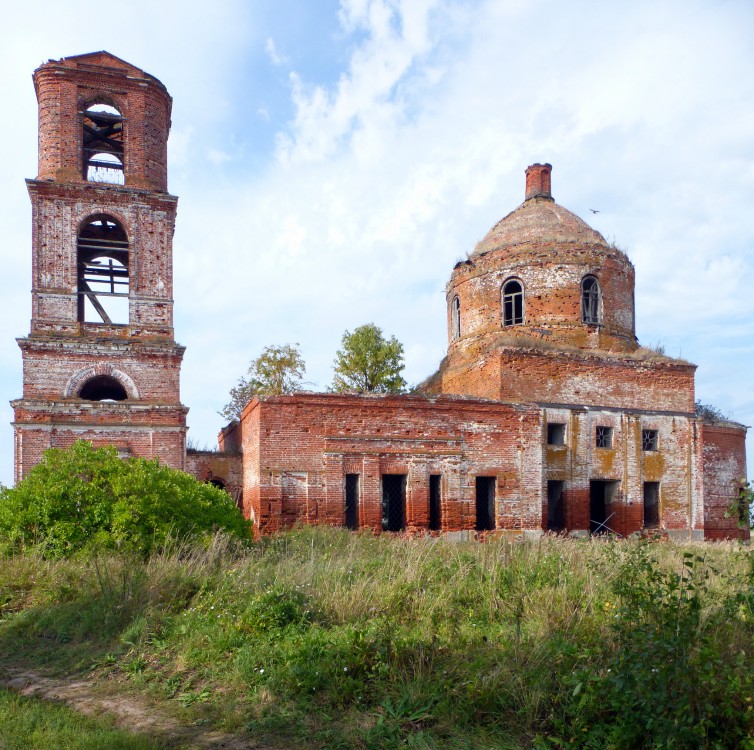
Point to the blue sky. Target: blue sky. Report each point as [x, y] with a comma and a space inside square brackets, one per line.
[334, 159]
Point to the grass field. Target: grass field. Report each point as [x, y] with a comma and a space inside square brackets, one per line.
[321, 638]
[29, 724]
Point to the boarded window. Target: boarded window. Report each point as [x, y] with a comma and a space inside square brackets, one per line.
[604, 437]
[352, 501]
[591, 301]
[555, 434]
[393, 502]
[556, 508]
[435, 512]
[513, 303]
[649, 440]
[651, 505]
[485, 503]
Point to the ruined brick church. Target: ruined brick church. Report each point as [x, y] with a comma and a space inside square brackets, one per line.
[545, 414]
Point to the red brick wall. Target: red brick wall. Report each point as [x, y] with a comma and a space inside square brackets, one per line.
[66, 87]
[724, 461]
[149, 431]
[570, 377]
[579, 461]
[297, 450]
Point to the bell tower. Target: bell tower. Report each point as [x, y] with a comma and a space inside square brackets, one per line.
[100, 362]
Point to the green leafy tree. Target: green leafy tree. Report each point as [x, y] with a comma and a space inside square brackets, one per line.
[82, 497]
[367, 362]
[277, 370]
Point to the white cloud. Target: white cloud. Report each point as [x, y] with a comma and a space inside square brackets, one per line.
[272, 52]
[396, 163]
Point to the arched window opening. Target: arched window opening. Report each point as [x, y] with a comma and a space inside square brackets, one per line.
[103, 280]
[215, 482]
[103, 388]
[513, 303]
[590, 301]
[103, 144]
[455, 318]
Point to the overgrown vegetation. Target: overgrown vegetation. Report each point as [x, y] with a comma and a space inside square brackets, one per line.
[321, 638]
[88, 498]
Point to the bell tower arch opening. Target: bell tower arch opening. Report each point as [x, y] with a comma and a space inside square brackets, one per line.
[102, 143]
[103, 388]
[103, 275]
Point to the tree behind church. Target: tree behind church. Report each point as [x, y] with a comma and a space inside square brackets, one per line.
[367, 362]
[276, 371]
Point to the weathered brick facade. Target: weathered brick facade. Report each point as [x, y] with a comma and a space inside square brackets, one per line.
[545, 414]
[102, 229]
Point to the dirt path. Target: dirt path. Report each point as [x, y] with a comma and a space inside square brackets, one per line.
[131, 713]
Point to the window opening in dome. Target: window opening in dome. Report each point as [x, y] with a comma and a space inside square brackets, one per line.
[103, 388]
[103, 280]
[513, 303]
[455, 318]
[102, 149]
[590, 301]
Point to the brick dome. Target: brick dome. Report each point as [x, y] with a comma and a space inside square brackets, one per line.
[542, 273]
[538, 220]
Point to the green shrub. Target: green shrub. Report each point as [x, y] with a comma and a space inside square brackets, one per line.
[83, 497]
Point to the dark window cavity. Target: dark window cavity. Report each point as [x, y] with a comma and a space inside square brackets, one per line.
[103, 277]
[651, 505]
[485, 503]
[604, 437]
[649, 440]
[455, 318]
[555, 433]
[103, 388]
[602, 494]
[102, 144]
[435, 497]
[556, 507]
[352, 501]
[393, 502]
[590, 301]
[513, 303]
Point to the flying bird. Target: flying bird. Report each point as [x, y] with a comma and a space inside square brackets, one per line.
[594, 210]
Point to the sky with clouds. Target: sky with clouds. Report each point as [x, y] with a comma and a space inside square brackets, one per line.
[333, 161]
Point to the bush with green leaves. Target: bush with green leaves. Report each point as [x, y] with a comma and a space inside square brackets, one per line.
[83, 497]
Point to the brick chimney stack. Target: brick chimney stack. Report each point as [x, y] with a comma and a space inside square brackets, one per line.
[538, 181]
